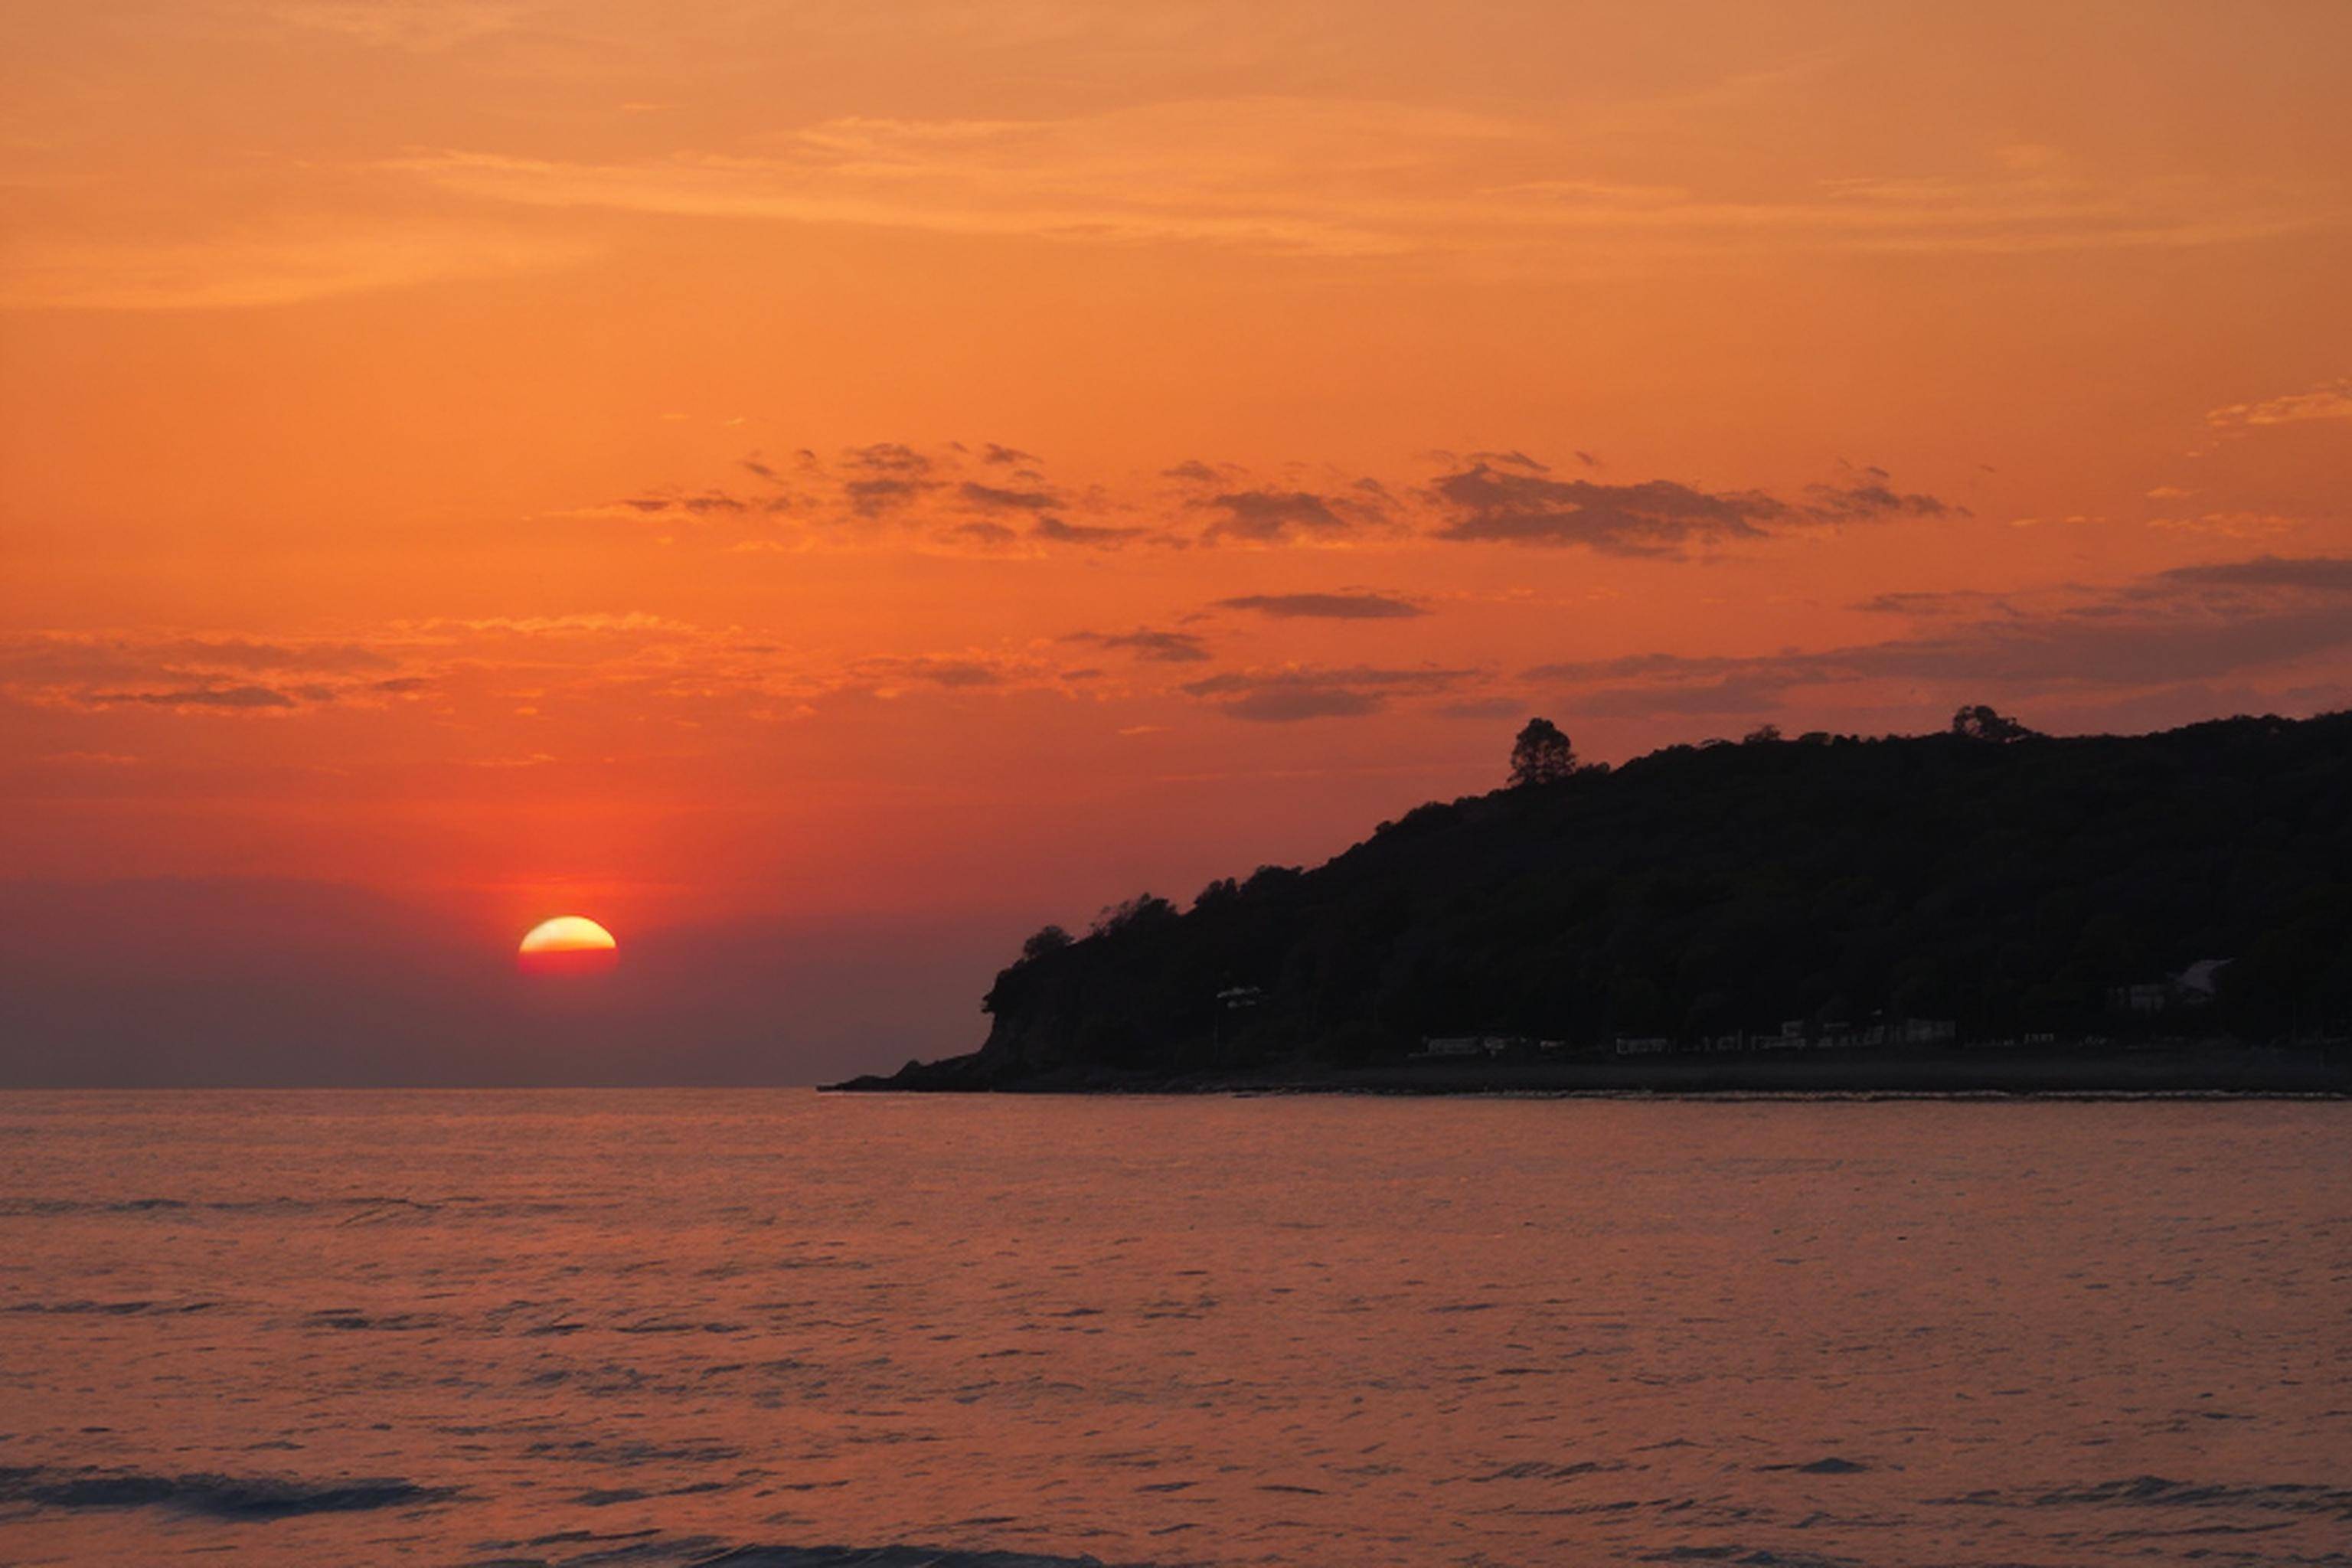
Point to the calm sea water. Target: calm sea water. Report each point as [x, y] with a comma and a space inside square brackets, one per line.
[654, 1328]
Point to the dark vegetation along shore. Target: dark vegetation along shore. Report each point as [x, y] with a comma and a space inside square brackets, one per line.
[1983, 910]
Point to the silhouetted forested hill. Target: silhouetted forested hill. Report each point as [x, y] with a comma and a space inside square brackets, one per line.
[2007, 882]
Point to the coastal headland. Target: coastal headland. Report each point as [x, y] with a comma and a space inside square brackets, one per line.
[1984, 911]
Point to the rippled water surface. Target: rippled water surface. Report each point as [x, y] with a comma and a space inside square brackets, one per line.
[627, 1327]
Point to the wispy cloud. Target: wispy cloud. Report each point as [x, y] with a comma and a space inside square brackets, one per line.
[178, 670]
[895, 494]
[1488, 505]
[424, 25]
[1158, 647]
[1281, 517]
[2190, 623]
[1355, 179]
[245, 271]
[1348, 606]
[231, 697]
[1484, 504]
[942, 499]
[995, 498]
[1293, 693]
[2329, 400]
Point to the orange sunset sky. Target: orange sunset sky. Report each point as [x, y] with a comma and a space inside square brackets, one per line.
[824, 487]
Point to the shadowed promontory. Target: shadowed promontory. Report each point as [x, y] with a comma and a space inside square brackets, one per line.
[1983, 910]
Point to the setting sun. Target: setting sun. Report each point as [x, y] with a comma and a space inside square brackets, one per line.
[568, 944]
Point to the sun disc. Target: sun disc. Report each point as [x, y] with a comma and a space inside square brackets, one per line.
[567, 944]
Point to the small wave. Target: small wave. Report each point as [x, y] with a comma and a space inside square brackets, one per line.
[1538, 1470]
[2155, 1491]
[107, 1309]
[1747, 1557]
[215, 1496]
[354, 1320]
[593, 1451]
[1831, 1465]
[888, 1557]
[359, 1208]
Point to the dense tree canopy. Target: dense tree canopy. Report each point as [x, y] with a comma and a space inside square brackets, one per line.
[1048, 939]
[2009, 887]
[1980, 722]
[1541, 755]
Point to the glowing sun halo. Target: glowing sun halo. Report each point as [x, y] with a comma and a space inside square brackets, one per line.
[568, 944]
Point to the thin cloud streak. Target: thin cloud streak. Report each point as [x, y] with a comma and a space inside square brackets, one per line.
[2188, 625]
[291, 266]
[2329, 400]
[1293, 694]
[1352, 606]
[1387, 181]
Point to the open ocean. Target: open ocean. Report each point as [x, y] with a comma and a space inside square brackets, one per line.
[653, 1328]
